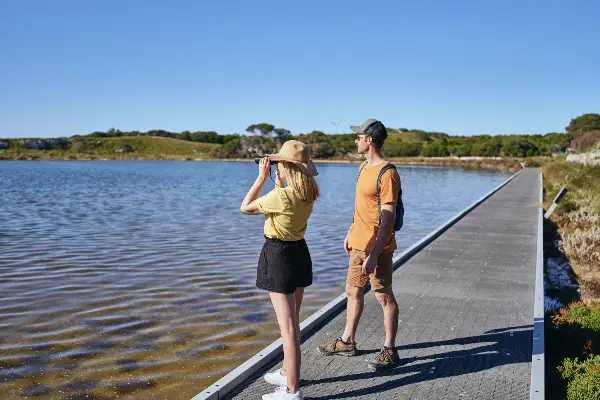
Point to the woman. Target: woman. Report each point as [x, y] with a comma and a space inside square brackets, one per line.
[284, 266]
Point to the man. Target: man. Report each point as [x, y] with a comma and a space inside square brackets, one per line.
[371, 245]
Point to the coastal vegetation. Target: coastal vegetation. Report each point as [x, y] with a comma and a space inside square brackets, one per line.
[264, 138]
[572, 255]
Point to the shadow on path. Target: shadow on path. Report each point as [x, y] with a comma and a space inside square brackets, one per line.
[492, 349]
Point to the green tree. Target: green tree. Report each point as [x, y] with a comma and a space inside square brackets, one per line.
[464, 150]
[231, 148]
[186, 135]
[435, 149]
[494, 148]
[517, 146]
[479, 148]
[207, 137]
[78, 147]
[402, 149]
[583, 123]
[262, 129]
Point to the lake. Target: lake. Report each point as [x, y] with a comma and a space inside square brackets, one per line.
[135, 279]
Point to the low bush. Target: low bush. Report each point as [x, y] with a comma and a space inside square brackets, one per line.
[583, 377]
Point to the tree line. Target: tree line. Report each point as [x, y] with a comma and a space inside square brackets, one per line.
[263, 138]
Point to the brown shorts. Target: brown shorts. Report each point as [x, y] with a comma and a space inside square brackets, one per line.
[380, 278]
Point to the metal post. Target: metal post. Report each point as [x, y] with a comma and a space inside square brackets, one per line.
[557, 199]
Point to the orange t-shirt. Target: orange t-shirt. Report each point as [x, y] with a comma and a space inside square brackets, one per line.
[363, 232]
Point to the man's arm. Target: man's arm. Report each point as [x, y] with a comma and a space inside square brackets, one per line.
[388, 216]
[346, 241]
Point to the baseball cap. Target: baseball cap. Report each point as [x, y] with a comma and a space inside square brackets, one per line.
[362, 128]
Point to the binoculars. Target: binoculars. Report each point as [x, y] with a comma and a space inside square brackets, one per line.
[257, 160]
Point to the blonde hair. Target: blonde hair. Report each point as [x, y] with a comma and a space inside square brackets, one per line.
[303, 184]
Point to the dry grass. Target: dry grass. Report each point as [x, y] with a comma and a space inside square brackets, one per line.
[574, 330]
[583, 246]
[578, 220]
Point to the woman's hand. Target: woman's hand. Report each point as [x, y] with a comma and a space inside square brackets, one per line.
[249, 205]
[264, 167]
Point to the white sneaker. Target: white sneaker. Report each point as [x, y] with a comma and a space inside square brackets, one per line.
[275, 378]
[281, 393]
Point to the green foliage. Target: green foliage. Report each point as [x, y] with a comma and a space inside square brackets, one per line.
[583, 123]
[401, 142]
[435, 149]
[341, 144]
[519, 147]
[78, 147]
[320, 146]
[583, 378]
[229, 149]
[207, 137]
[186, 135]
[263, 129]
[582, 182]
[402, 149]
[126, 148]
[587, 317]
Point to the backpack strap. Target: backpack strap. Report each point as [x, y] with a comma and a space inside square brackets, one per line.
[385, 168]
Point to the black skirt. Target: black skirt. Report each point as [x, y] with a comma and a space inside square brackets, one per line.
[284, 266]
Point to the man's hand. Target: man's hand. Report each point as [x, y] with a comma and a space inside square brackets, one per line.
[369, 265]
[346, 244]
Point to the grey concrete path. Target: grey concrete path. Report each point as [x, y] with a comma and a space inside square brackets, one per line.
[466, 311]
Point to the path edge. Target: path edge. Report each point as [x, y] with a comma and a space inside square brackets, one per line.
[538, 356]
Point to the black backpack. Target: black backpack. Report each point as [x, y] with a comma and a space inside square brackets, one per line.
[399, 204]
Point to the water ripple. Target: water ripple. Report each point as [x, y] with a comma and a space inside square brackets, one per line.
[127, 278]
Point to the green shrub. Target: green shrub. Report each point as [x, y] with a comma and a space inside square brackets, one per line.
[583, 378]
[78, 147]
[587, 317]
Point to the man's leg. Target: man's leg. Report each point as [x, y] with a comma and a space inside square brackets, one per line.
[356, 303]
[355, 284]
[386, 298]
[381, 283]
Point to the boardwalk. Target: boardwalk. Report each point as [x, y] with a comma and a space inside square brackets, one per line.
[466, 310]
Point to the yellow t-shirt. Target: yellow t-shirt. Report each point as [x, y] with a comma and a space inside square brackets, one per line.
[364, 229]
[286, 214]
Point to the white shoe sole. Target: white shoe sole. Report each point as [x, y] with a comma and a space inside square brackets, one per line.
[274, 381]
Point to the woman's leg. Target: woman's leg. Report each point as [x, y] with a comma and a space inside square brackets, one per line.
[298, 297]
[285, 309]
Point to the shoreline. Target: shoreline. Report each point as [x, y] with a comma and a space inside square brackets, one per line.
[500, 164]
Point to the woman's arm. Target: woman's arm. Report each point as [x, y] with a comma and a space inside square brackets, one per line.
[249, 205]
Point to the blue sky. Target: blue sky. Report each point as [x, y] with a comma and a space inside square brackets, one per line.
[462, 67]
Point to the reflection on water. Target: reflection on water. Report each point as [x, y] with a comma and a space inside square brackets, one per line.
[136, 279]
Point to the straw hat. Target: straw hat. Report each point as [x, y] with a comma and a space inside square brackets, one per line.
[298, 153]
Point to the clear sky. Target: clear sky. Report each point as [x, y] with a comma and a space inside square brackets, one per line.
[462, 67]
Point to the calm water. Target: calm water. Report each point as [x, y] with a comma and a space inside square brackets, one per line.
[136, 279]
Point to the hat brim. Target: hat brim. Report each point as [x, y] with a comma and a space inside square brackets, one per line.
[308, 168]
[357, 129]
